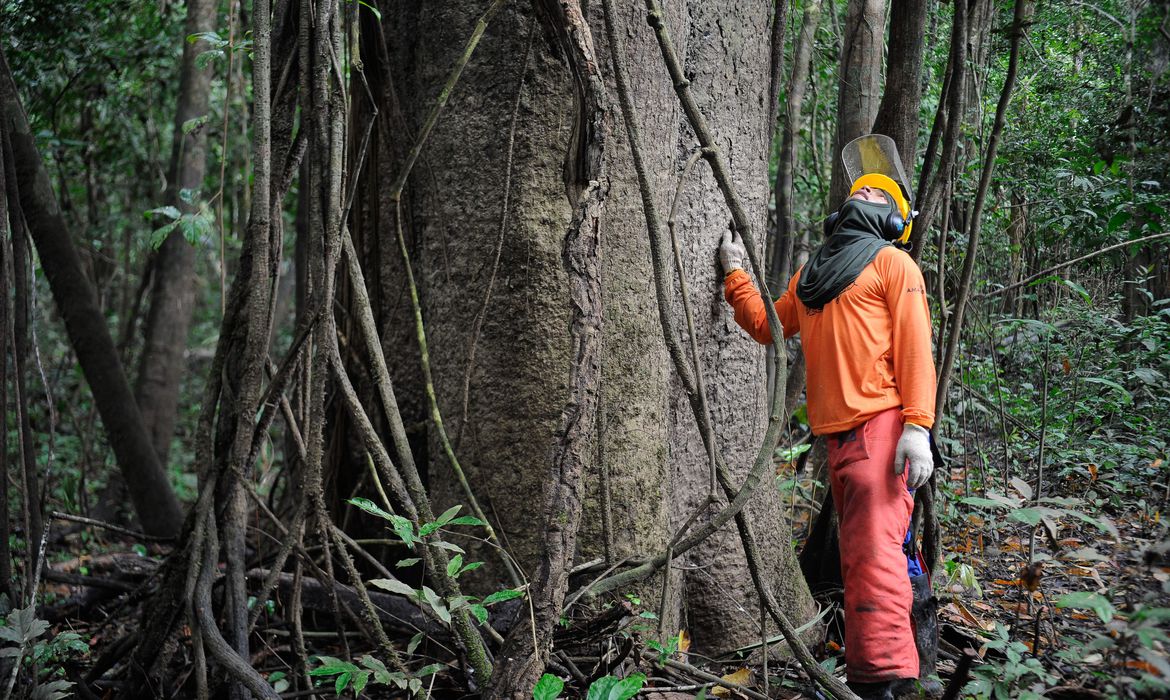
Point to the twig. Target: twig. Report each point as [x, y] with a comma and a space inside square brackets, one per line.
[110, 526]
[650, 655]
[1068, 263]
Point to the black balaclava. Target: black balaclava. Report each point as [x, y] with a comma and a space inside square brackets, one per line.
[854, 243]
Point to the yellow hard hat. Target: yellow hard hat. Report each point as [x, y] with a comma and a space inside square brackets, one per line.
[887, 184]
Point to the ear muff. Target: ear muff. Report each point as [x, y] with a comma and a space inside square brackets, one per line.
[893, 226]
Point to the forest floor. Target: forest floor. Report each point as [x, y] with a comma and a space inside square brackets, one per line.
[1048, 601]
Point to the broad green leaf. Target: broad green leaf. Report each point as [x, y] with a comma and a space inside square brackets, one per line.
[370, 507]
[193, 124]
[1081, 291]
[1087, 600]
[447, 515]
[404, 529]
[1112, 385]
[501, 596]
[211, 38]
[159, 236]
[359, 682]
[394, 586]
[447, 546]
[414, 642]
[168, 211]
[436, 604]
[466, 520]
[480, 613]
[471, 567]
[411, 561]
[549, 687]
[611, 688]
[429, 670]
[454, 564]
[203, 59]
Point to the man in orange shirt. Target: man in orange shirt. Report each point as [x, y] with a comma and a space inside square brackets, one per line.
[860, 307]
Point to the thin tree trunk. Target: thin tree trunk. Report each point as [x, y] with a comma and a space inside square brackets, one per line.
[858, 85]
[6, 335]
[1023, 12]
[781, 263]
[897, 115]
[932, 181]
[154, 501]
[172, 298]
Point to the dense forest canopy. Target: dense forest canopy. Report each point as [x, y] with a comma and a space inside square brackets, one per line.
[380, 348]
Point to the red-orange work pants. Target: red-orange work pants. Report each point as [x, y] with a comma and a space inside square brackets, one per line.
[874, 511]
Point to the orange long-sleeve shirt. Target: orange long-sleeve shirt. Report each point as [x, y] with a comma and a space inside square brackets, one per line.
[868, 350]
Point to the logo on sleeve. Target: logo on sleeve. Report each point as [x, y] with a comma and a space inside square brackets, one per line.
[915, 290]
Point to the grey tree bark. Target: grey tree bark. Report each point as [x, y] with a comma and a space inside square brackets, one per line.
[518, 383]
[172, 296]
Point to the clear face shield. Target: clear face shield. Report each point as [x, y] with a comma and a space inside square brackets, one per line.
[876, 154]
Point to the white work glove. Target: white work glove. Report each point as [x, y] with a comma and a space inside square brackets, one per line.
[731, 252]
[914, 447]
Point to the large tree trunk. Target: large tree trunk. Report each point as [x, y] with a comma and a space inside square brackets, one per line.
[172, 297]
[154, 500]
[517, 386]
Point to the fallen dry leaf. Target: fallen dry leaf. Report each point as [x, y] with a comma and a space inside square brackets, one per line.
[684, 641]
[740, 677]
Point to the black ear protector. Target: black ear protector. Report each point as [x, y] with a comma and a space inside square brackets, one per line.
[892, 227]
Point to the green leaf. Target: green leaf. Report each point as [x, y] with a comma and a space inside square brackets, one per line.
[480, 613]
[549, 687]
[436, 604]
[429, 670]
[193, 124]
[341, 682]
[414, 642]
[168, 211]
[370, 507]
[454, 564]
[1112, 385]
[611, 688]
[1087, 600]
[1084, 294]
[404, 529]
[471, 567]
[407, 562]
[394, 586]
[447, 546]
[211, 38]
[448, 515]
[501, 596]
[159, 236]
[467, 520]
[203, 59]
[359, 682]
[331, 666]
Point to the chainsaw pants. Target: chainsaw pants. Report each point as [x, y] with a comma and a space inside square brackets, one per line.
[874, 510]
